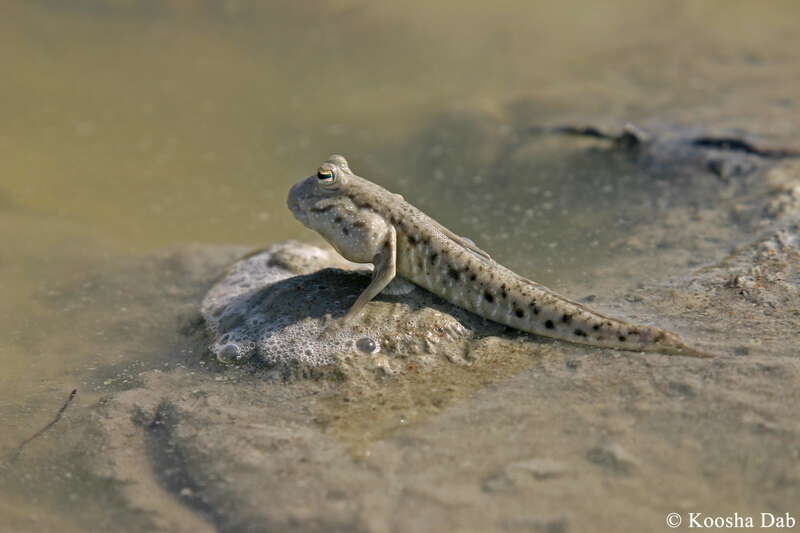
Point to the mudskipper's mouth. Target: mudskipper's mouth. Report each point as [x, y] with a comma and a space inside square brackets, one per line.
[293, 203]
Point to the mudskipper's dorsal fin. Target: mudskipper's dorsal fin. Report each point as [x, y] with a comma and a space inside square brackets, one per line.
[466, 243]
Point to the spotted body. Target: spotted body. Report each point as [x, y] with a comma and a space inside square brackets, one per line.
[368, 224]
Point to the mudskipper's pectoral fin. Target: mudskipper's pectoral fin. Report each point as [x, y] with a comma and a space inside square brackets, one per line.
[385, 263]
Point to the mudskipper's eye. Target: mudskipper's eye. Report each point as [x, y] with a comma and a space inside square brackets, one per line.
[326, 176]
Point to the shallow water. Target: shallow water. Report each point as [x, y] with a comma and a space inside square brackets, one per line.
[131, 127]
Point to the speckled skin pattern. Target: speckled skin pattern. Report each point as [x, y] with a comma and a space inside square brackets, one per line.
[368, 224]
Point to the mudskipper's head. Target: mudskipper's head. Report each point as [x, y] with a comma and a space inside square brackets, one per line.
[316, 195]
[331, 202]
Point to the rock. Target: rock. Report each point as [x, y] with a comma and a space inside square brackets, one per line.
[523, 474]
[612, 457]
[278, 308]
[540, 468]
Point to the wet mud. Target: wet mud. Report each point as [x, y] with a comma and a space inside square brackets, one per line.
[511, 434]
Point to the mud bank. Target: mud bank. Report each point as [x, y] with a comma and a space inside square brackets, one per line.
[443, 421]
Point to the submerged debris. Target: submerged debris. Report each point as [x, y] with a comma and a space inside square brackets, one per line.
[663, 148]
[18, 450]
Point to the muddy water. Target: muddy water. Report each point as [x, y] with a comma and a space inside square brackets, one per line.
[134, 127]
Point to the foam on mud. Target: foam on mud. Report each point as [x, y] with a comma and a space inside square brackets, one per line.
[280, 307]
